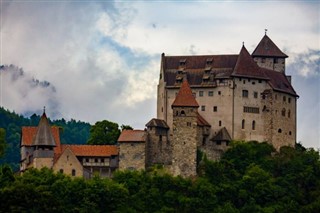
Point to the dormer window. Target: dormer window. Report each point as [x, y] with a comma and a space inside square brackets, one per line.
[209, 61]
[207, 70]
[182, 62]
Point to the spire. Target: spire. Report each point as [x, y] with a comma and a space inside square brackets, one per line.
[266, 48]
[44, 135]
[246, 67]
[185, 97]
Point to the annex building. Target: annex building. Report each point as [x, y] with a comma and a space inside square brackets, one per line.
[203, 102]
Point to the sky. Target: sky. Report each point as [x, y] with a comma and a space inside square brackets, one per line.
[100, 60]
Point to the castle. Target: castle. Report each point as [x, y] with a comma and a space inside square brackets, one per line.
[203, 103]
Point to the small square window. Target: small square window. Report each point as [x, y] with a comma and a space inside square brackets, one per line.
[245, 93]
[200, 93]
[215, 108]
[210, 93]
[255, 94]
[203, 108]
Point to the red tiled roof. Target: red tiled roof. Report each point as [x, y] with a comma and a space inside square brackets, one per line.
[28, 134]
[185, 97]
[92, 150]
[267, 48]
[201, 121]
[247, 67]
[132, 136]
[154, 122]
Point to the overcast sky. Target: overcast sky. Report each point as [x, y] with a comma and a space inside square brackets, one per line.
[102, 58]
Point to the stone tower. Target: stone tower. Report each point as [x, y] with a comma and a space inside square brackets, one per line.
[184, 130]
[269, 56]
[43, 144]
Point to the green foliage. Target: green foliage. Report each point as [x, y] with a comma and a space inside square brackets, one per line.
[2, 141]
[267, 181]
[128, 127]
[104, 132]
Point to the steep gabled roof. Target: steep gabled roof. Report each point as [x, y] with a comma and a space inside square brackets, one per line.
[267, 48]
[132, 136]
[279, 82]
[185, 97]
[154, 122]
[222, 135]
[92, 150]
[44, 135]
[247, 67]
[201, 121]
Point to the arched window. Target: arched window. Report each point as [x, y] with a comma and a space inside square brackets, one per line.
[290, 133]
[243, 124]
[289, 113]
[61, 170]
[279, 130]
[283, 112]
[73, 172]
[182, 113]
[253, 125]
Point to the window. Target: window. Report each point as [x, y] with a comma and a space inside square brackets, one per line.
[243, 124]
[289, 100]
[283, 112]
[279, 130]
[215, 108]
[289, 113]
[251, 110]
[220, 123]
[210, 93]
[245, 93]
[260, 81]
[290, 133]
[200, 93]
[275, 61]
[253, 82]
[284, 98]
[244, 81]
[255, 94]
[218, 142]
[96, 160]
[219, 92]
[61, 170]
[203, 108]
[253, 125]
[182, 62]
[87, 160]
[73, 172]
[160, 137]
[276, 96]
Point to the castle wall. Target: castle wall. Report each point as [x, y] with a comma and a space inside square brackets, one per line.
[158, 147]
[276, 64]
[248, 116]
[39, 163]
[132, 155]
[69, 164]
[184, 143]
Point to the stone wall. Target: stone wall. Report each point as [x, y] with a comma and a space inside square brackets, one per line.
[68, 164]
[132, 155]
[158, 147]
[184, 143]
[277, 64]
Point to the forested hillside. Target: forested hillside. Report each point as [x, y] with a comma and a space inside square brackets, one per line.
[72, 132]
[250, 177]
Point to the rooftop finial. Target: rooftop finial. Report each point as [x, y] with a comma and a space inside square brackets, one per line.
[44, 109]
[265, 31]
[243, 43]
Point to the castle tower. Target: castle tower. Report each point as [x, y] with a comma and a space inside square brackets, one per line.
[43, 144]
[184, 142]
[268, 55]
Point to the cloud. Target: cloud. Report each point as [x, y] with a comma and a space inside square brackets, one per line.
[103, 57]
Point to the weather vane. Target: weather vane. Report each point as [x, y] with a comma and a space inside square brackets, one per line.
[44, 109]
[265, 31]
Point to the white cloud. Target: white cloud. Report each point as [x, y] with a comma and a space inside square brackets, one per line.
[103, 57]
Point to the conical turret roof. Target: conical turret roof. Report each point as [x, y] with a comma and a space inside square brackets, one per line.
[185, 97]
[266, 48]
[44, 135]
[246, 67]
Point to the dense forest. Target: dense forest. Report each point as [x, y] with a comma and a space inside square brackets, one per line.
[250, 177]
[72, 132]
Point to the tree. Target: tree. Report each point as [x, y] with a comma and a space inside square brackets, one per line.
[3, 143]
[104, 132]
[128, 127]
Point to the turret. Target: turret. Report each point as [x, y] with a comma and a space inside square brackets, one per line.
[269, 56]
[43, 144]
[184, 143]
